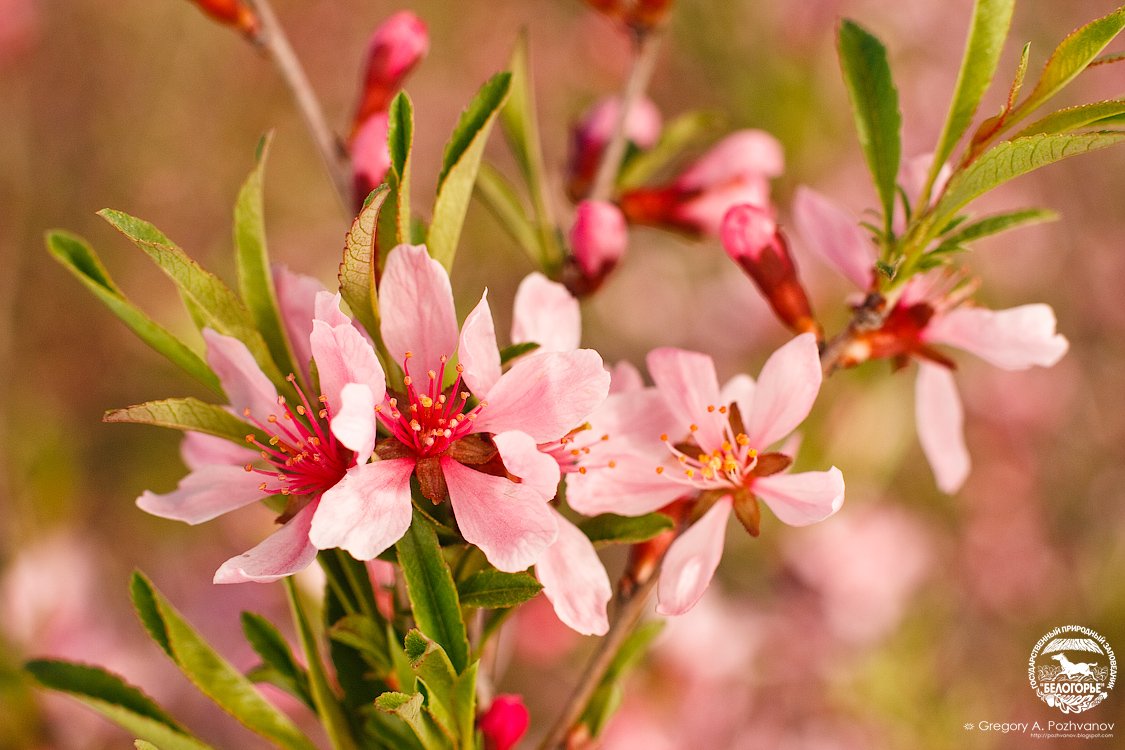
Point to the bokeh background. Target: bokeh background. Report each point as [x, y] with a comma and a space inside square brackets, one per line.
[893, 624]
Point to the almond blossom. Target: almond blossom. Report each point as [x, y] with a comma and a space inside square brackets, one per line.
[932, 309]
[715, 450]
[436, 434]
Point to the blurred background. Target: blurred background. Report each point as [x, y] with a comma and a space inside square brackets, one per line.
[905, 616]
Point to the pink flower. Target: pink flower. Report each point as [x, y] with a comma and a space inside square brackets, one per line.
[598, 239]
[437, 436]
[591, 136]
[931, 310]
[736, 170]
[504, 723]
[715, 449]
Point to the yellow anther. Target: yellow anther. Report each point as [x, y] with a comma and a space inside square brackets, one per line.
[275, 440]
[407, 380]
[464, 395]
[248, 467]
[742, 440]
[322, 399]
[443, 359]
[753, 453]
[722, 410]
[612, 464]
[703, 458]
[604, 437]
[693, 427]
[575, 452]
[730, 465]
[262, 487]
[408, 355]
[272, 419]
[659, 469]
[711, 409]
[426, 401]
[664, 437]
[690, 473]
[708, 472]
[291, 378]
[249, 438]
[581, 469]
[415, 426]
[301, 410]
[727, 447]
[460, 368]
[682, 459]
[246, 412]
[323, 414]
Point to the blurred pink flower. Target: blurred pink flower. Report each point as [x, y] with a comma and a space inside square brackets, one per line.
[436, 438]
[598, 239]
[736, 170]
[504, 723]
[591, 135]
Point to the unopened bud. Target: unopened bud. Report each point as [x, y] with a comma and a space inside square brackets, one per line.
[639, 15]
[234, 13]
[396, 46]
[752, 240]
[592, 134]
[370, 157]
[504, 723]
[598, 239]
[735, 171]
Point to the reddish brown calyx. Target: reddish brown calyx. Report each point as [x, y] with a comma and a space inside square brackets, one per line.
[233, 13]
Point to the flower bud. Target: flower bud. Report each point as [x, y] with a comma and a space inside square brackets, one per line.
[598, 239]
[752, 240]
[233, 13]
[396, 46]
[639, 15]
[592, 134]
[735, 171]
[370, 157]
[504, 723]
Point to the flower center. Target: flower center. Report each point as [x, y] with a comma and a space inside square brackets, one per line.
[729, 465]
[305, 457]
[579, 450]
[432, 419]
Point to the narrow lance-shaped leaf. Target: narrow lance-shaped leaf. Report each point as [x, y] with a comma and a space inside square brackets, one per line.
[612, 529]
[409, 708]
[990, 225]
[220, 308]
[1073, 55]
[213, 675]
[1074, 118]
[459, 167]
[358, 268]
[989, 29]
[394, 226]
[433, 595]
[867, 75]
[501, 198]
[451, 697]
[277, 658]
[494, 589]
[79, 258]
[187, 414]
[255, 280]
[116, 700]
[1011, 159]
[367, 637]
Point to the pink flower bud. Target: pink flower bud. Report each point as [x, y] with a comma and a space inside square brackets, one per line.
[231, 13]
[396, 46]
[504, 723]
[752, 240]
[735, 171]
[370, 158]
[639, 15]
[590, 136]
[598, 239]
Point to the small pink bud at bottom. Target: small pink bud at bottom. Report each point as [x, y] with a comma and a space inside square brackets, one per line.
[598, 239]
[752, 240]
[504, 723]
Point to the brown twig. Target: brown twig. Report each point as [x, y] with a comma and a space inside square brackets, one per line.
[273, 40]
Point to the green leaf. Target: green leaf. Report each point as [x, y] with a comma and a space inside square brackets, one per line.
[276, 656]
[494, 589]
[500, 197]
[213, 675]
[400, 143]
[1074, 118]
[450, 696]
[358, 267]
[187, 414]
[79, 258]
[1010, 159]
[607, 697]
[874, 98]
[116, 700]
[142, 745]
[328, 706]
[989, 29]
[409, 708]
[459, 167]
[519, 121]
[1073, 55]
[677, 136]
[433, 596]
[999, 223]
[352, 668]
[367, 637]
[202, 291]
[612, 529]
[255, 279]
[508, 353]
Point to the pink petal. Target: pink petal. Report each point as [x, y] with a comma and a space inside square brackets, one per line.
[1012, 339]
[691, 561]
[709, 208]
[283, 553]
[511, 523]
[205, 493]
[367, 511]
[642, 126]
[296, 304]
[834, 235]
[913, 173]
[354, 424]
[742, 153]
[242, 380]
[478, 352]
[624, 376]
[688, 383]
[343, 356]
[546, 394]
[801, 499]
[416, 302]
[523, 460]
[940, 420]
[326, 307]
[631, 488]
[633, 421]
[740, 390]
[786, 389]
[575, 581]
[199, 450]
[546, 313]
